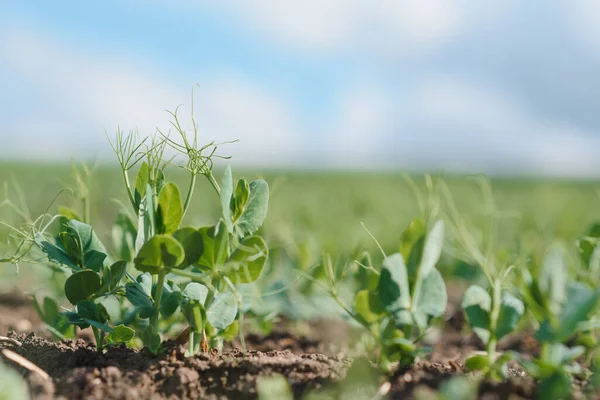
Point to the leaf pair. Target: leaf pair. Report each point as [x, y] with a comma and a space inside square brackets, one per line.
[477, 304]
[244, 209]
[415, 293]
[220, 313]
[77, 247]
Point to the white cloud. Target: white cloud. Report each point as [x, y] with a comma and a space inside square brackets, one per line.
[334, 25]
[85, 93]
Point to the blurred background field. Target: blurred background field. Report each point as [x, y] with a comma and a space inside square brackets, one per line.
[312, 213]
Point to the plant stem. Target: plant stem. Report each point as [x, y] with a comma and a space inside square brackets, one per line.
[213, 182]
[128, 189]
[157, 297]
[189, 194]
[494, 315]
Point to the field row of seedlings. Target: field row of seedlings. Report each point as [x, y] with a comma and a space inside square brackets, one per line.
[169, 310]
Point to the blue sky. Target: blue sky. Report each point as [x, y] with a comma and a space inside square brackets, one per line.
[497, 86]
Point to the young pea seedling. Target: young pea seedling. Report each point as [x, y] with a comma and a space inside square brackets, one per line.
[397, 303]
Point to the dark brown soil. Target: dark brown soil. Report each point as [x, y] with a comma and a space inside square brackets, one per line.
[78, 371]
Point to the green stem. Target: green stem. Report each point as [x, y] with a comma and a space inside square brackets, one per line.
[128, 189]
[494, 315]
[189, 194]
[213, 182]
[86, 210]
[157, 298]
[99, 340]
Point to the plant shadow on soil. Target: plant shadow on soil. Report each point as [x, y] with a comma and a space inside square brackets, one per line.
[77, 370]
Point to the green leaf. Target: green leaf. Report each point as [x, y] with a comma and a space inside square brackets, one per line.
[93, 312]
[117, 271]
[151, 340]
[162, 251]
[247, 261]
[511, 311]
[193, 244]
[367, 306]
[195, 292]
[142, 179]
[92, 249]
[215, 241]
[477, 304]
[120, 334]
[394, 293]
[138, 293]
[553, 277]
[256, 208]
[221, 313]
[123, 235]
[477, 363]
[170, 210]
[555, 387]
[432, 249]
[170, 300]
[51, 311]
[581, 300]
[432, 296]
[240, 198]
[82, 285]
[415, 231]
[55, 252]
[226, 197]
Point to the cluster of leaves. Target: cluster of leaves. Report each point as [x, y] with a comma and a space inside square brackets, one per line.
[563, 309]
[161, 271]
[396, 303]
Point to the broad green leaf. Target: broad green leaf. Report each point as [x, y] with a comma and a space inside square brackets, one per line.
[553, 277]
[195, 292]
[240, 198]
[82, 285]
[477, 304]
[138, 293]
[193, 245]
[170, 210]
[432, 249]
[142, 179]
[120, 334]
[162, 251]
[226, 197]
[555, 387]
[414, 260]
[92, 249]
[51, 311]
[256, 208]
[216, 241]
[117, 271]
[432, 296]
[170, 299]
[93, 312]
[247, 261]
[55, 252]
[511, 311]
[393, 284]
[151, 339]
[221, 313]
[146, 220]
[477, 363]
[581, 300]
[368, 306]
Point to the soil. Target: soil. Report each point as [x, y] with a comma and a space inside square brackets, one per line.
[77, 370]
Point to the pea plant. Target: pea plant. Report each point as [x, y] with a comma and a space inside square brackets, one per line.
[162, 269]
[563, 308]
[493, 311]
[396, 303]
